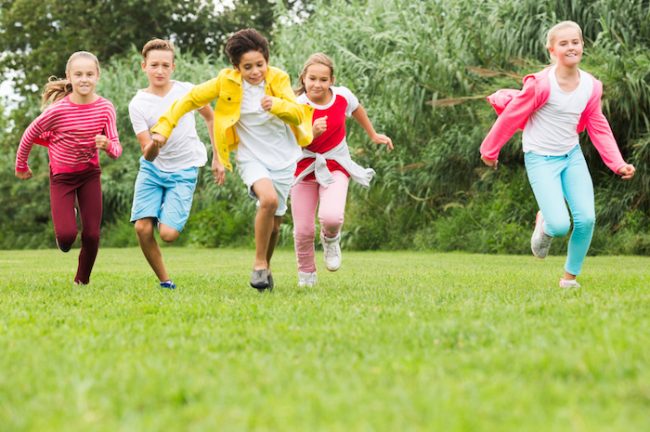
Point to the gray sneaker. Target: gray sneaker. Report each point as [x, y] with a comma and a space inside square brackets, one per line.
[540, 242]
[260, 279]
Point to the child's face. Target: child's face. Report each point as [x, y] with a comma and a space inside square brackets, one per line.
[567, 47]
[159, 66]
[253, 67]
[318, 79]
[83, 75]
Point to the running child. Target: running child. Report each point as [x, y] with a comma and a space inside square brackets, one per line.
[257, 116]
[554, 106]
[76, 124]
[167, 177]
[324, 172]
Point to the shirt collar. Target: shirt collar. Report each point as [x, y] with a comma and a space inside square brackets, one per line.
[248, 85]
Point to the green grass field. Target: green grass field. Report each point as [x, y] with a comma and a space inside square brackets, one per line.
[394, 341]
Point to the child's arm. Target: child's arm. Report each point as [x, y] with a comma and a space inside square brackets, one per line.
[514, 116]
[200, 96]
[361, 117]
[218, 170]
[110, 142]
[38, 127]
[285, 106]
[603, 139]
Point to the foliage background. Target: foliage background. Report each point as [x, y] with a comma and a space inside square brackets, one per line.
[421, 69]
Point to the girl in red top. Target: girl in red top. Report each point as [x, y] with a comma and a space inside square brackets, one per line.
[76, 125]
[324, 171]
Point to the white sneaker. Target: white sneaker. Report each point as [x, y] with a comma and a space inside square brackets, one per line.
[569, 283]
[540, 242]
[332, 249]
[306, 279]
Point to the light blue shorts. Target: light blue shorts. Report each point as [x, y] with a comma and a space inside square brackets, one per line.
[164, 196]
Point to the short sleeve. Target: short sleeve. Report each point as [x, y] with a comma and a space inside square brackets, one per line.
[353, 102]
[137, 117]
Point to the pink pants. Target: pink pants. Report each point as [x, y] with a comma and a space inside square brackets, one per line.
[304, 199]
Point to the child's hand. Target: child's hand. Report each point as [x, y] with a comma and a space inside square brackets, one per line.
[492, 163]
[319, 126]
[218, 171]
[24, 175]
[382, 139]
[102, 142]
[627, 172]
[159, 140]
[150, 151]
[267, 103]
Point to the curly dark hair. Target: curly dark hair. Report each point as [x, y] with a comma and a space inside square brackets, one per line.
[244, 41]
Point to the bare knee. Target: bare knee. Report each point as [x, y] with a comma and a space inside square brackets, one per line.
[144, 228]
[269, 203]
[168, 234]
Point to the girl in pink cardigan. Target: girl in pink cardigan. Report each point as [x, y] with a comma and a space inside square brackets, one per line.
[554, 106]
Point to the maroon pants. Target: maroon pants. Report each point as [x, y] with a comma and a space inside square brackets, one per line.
[85, 187]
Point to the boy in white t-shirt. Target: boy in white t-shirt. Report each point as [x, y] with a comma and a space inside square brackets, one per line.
[167, 177]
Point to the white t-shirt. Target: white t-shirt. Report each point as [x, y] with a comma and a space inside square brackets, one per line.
[183, 149]
[263, 137]
[552, 130]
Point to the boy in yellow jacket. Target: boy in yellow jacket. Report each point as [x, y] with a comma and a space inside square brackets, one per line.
[257, 116]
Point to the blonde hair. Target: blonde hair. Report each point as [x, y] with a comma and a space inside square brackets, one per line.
[550, 36]
[157, 44]
[317, 58]
[55, 88]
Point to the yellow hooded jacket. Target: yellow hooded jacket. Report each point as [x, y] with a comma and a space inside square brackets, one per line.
[227, 89]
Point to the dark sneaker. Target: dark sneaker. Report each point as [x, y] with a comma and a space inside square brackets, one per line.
[540, 242]
[260, 279]
[168, 285]
[271, 284]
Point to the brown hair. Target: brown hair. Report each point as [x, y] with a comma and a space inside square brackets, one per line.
[244, 41]
[317, 58]
[157, 44]
[55, 88]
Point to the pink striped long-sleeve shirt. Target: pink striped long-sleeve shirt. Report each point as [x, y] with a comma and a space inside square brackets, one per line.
[70, 131]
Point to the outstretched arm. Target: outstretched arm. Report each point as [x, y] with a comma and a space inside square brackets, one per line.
[200, 96]
[361, 117]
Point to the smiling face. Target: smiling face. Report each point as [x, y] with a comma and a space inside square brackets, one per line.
[253, 66]
[159, 66]
[317, 81]
[83, 74]
[566, 47]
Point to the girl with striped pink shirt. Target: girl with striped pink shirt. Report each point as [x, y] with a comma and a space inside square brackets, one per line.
[76, 124]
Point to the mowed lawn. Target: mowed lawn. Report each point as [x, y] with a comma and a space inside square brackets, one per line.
[394, 341]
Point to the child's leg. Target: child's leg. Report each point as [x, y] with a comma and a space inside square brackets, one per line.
[62, 201]
[177, 203]
[264, 220]
[579, 193]
[89, 195]
[144, 229]
[273, 240]
[304, 199]
[331, 210]
[544, 174]
[147, 200]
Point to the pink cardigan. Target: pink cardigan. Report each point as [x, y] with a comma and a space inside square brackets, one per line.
[514, 107]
